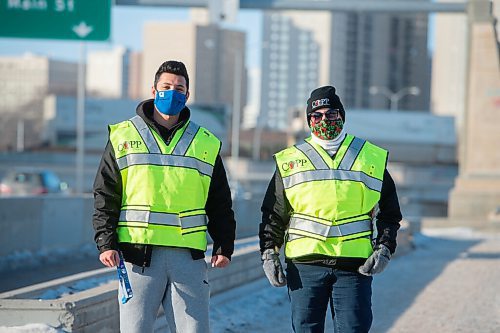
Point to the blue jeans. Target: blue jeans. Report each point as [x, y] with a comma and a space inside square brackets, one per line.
[312, 287]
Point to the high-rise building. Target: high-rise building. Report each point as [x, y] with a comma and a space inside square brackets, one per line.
[388, 51]
[108, 73]
[293, 54]
[24, 83]
[351, 51]
[210, 53]
[252, 109]
[26, 80]
[135, 75]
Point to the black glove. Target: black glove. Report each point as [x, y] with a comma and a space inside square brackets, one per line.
[272, 267]
[377, 262]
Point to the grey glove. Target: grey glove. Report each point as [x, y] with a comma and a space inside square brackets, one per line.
[377, 262]
[272, 267]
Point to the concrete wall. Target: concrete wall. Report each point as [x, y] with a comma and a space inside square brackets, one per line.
[46, 223]
[52, 224]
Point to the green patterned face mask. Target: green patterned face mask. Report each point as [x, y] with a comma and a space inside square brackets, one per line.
[327, 129]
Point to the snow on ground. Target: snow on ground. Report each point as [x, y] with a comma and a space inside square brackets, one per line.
[30, 328]
[448, 284]
[75, 287]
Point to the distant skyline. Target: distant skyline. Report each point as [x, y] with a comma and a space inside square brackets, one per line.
[127, 29]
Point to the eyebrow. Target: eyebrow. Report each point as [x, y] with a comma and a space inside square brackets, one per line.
[171, 84]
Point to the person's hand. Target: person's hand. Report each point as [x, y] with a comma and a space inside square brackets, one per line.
[110, 258]
[377, 262]
[272, 267]
[220, 261]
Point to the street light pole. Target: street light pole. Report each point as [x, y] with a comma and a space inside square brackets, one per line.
[394, 97]
[235, 128]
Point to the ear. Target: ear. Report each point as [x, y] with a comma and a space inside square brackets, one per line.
[187, 95]
[153, 91]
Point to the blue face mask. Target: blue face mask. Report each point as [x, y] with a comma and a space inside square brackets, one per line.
[170, 102]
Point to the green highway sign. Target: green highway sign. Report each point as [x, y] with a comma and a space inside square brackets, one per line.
[55, 19]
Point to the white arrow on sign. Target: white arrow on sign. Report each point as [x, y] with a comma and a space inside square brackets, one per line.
[82, 29]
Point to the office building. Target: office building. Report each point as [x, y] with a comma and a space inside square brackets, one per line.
[388, 51]
[292, 56]
[108, 73]
[351, 51]
[24, 83]
[214, 57]
[135, 75]
[251, 112]
[25, 80]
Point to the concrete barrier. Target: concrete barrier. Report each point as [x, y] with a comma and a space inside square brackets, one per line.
[41, 228]
[95, 310]
[48, 222]
[92, 310]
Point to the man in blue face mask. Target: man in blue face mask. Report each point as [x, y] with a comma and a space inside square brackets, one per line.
[160, 187]
[170, 94]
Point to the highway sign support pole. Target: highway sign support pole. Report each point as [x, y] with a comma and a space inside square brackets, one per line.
[80, 119]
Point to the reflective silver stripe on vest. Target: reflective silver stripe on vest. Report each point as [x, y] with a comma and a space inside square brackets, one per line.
[313, 155]
[314, 175]
[193, 221]
[309, 226]
[146, 135]
[292, 237]
[167, 219]
[165, 160]
[329, 230]
[186, 139]
[350, 228]
[351, 154]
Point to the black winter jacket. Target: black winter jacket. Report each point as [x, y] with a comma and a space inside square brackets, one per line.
[276, 212]
[108, 196]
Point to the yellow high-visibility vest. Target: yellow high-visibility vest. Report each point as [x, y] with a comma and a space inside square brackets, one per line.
[165, 187]
[331, 199]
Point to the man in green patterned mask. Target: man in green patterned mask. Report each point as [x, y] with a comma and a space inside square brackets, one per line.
[326, 117]
[319, 208]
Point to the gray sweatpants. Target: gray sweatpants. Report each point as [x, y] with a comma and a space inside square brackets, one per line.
[174, 280]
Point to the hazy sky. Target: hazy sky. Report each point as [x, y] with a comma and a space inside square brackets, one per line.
[126, 29]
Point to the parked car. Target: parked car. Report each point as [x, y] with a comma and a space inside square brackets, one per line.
[31, 182]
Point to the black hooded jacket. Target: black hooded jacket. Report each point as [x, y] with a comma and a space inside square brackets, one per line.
[108, 196]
